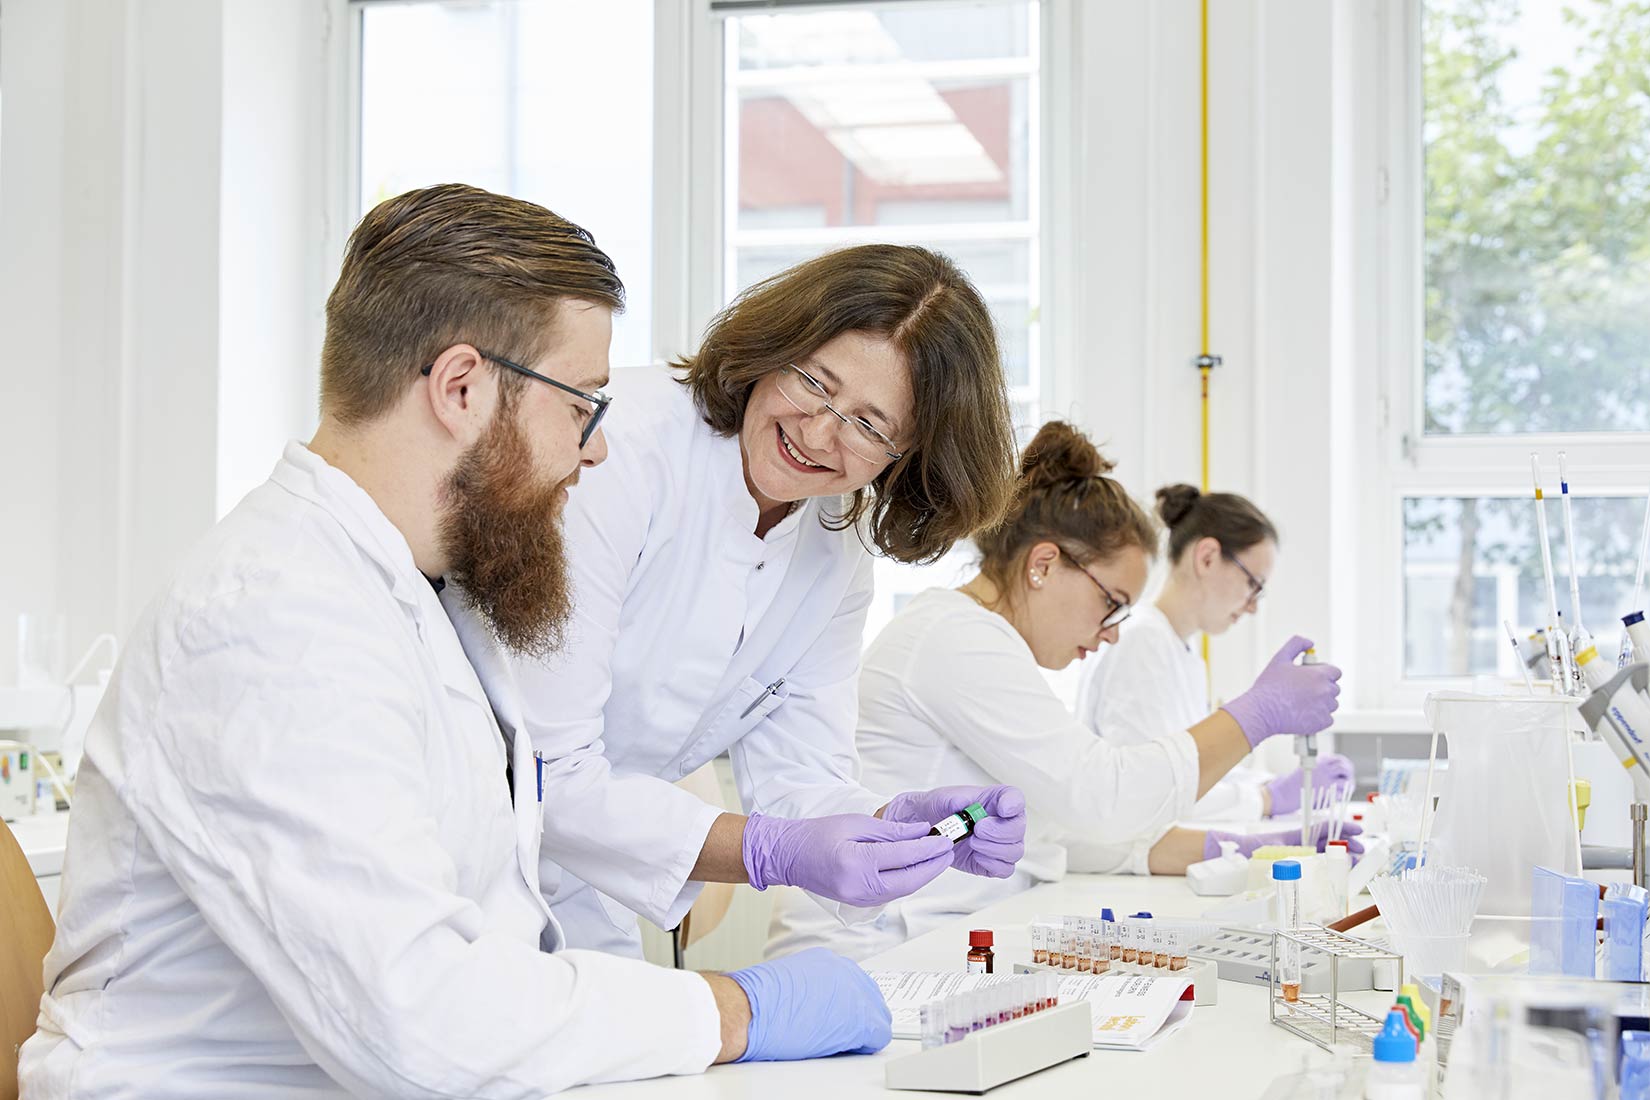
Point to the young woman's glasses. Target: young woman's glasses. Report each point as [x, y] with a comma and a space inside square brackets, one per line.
[858, 434]
[1119, 610]
[1256, 586]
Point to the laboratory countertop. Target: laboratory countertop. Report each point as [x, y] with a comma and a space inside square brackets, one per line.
[42, 837]
[1228, 1050]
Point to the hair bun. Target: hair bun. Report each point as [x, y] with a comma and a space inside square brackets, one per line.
[1174, 502]
[1059, 453]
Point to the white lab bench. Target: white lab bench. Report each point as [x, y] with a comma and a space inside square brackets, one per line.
[42, 837]
[1228, 1050]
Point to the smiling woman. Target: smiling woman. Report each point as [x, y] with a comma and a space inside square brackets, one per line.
[893, 336]
[723, 564]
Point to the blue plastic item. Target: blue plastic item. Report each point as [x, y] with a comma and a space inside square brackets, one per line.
[1286, 870]
[1564, 924]
[1106, 914]
[1142, 915]
[1623, 958]
[1635, 1065]
[1394, 1043]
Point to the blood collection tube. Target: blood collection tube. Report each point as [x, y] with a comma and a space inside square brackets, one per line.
[1286, 874]
[932, 1015]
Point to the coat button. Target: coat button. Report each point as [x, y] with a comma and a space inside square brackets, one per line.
[760, 565]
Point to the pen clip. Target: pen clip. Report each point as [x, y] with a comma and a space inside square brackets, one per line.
[767, 691]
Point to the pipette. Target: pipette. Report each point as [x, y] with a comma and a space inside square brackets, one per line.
[1306, 744]
[1625, 655]
[1579, 638]
[1558, 666]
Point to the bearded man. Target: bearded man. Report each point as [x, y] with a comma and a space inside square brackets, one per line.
[304, 853]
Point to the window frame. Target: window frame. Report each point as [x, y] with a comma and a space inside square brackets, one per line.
[1409, 463]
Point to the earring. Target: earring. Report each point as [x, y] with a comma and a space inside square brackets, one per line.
[1036, 581]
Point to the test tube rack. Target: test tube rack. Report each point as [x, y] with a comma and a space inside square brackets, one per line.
[996, 1055]
[1324, 1017]
[1203, 975]
[1244, 955]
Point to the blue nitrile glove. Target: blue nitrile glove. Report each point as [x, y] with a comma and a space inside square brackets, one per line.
[1333, 771]
[852, 858]
[812, 1004]
[1286, 697]
[997, 843]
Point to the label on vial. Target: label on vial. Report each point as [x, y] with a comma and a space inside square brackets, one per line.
[976, 967]
[952, 828]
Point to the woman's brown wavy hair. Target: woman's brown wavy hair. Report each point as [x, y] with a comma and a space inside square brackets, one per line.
[956, 474]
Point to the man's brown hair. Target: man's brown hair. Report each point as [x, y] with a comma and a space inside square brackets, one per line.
[449, 265]
[956, 472]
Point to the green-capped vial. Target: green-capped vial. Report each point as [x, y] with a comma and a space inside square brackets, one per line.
[960, 825]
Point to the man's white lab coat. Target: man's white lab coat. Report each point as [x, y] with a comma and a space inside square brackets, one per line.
[293, 864]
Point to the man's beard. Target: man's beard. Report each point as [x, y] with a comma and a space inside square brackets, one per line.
[502, 534]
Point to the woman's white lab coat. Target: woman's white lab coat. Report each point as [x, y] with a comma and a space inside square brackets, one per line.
[1152, 680]
[692, 637]
[952, 694]
[293, 864]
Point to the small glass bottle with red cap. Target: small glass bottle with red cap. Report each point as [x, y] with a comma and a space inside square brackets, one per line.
[980, 956]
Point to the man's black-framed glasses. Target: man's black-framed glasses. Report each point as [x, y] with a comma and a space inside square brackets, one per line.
[1257, 587]
[599, 401]
[1119, 610]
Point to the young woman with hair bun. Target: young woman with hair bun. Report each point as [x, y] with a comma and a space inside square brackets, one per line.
[951, 692]
[1221, 549]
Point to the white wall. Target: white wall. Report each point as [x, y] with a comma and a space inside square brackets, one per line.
[162, 229]
[1273, 175]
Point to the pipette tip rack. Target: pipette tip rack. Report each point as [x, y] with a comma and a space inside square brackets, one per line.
[1325, 1018]
[996, 1055]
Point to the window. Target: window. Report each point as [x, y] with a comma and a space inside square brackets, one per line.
[906, 122]
[1519, 321]
[479, 92]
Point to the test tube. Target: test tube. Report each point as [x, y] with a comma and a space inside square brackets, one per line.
[956, 1018]
[1085, 946]
[1131, 941]
[1052, 999]
[1039, 944]
[1178, 938]
[932, 1015]
[1286, 874]
[1160, 947]
[1102, 951]
[1005, 1003]
[1114, 939]
[1068, 948]
[1017, 998]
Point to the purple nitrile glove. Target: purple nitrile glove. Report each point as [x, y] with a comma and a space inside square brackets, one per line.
[1248, 842]
[996, 844]
[1333, 770]
[810, 1005]
[851, 858]
[1286, 697]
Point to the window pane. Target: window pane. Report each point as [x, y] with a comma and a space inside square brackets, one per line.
[1472, 562]
[1537, 301]
[911, 122]
[478, 92]
[883, 150]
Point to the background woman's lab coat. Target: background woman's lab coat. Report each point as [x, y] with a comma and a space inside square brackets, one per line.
[293, 865]
[692, 637]
[952, 694]
[1152, 680]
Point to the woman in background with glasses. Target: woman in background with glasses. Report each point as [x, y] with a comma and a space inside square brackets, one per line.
[722, 573]
[1221, 553]
[953, 693]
